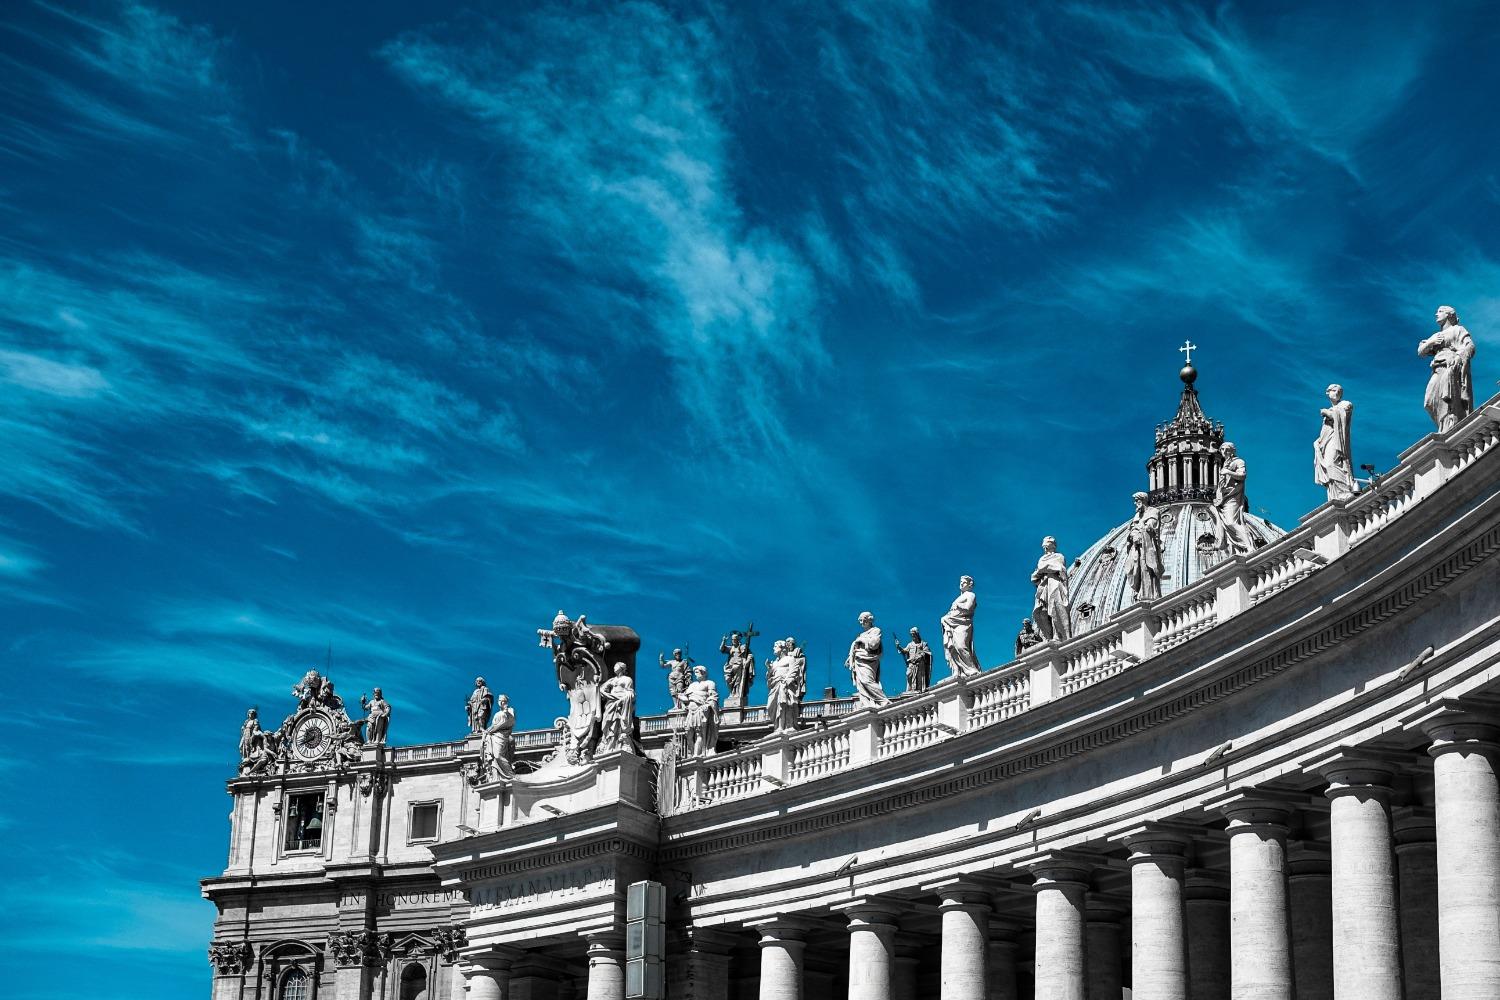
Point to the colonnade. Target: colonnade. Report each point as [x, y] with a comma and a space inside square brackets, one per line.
[1400, 904]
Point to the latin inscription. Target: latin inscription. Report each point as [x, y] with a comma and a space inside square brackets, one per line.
[543, 889]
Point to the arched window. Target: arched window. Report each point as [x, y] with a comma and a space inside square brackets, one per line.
[294, 985]
[413, 983]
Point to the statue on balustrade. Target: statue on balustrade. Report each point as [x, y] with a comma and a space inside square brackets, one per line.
[1143, 565]
[1051, 606]
[479, 706]
[1450, 389]
[1232, 531]
[377, 718]
[578, 655]
[701, 725]
[679, 675]
[1333, 464]
[958, 631]
[786, 683]
[918, 657]
[1027, 637]
[258, 748]
[863, 662]
[617, 730]
[497, 751]
[739, 668]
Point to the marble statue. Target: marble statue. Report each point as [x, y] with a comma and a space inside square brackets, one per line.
[1450, 389]
[1143, 565]
[679, 675]
[479, 706]
[497, 751]
[1051, 606]
[701, 726]
[617, 727]
[578, 654]
[864, 663]
[1232, 531]
[377, 718]
[786, 682]
[1027, 637]
[1333, 466]
[918, 657]
[958, 631]
[739, 668]
[250, 733]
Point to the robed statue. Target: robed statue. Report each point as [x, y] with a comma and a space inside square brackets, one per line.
[958, 631]
[377, 717]
[497, 751]
[1333, 466]
[700, 728]
[918, 657]
[479, 705]
[863, 662]
[1143, 565]
[578, 654]
[1050, 609]
[739, 668]
[617, 728]
[1231, 529]
[1027, 637]
[786, 683]
[679, 675]
[1450, 388]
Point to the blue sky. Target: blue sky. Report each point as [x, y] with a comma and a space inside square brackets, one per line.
[396, 328]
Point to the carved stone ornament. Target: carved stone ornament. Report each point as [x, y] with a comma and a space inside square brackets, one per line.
[578, 655]
[373, 781]
[350, 948]
[448, 941]
[318, 736]
[229, 958]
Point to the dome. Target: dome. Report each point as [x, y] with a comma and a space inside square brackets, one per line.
[1181, 475]
[1096, 582]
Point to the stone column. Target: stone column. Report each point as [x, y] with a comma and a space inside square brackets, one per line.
[965, 957]
[1366, 934]
[487, 976]
[872, 947]
[904, 971]
[1465, 751]
[606, 955]
[1002, 956]
[781, 948]
[531, 986]
[1310, 895]
[1061, 956]
[1417, 876]
[1206, 903]
[1106, 955]
[698, 964]
[1158, 952]
[1260, 948]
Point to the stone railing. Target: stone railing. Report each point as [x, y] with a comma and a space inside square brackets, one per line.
[1054, 670]
[426, 751]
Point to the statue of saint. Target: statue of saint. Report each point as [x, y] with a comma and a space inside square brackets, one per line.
[1232, 532]
[1143, 565]
[251, 735]
[1051, 606]
[377, 718]
[864, 663]
[1450, 389]
[617, 729]
[1027, 637]
[497, 752]
[918, 657]
[958, 631]
[739, 669]
[1333, 464]
[786, 681]
[479, 705]
[701, 726]
[578, 654]
[679, 675]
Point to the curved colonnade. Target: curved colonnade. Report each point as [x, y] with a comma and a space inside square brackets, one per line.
[1280, 782]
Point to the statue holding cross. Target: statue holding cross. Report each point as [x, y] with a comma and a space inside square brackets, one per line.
[739, 668]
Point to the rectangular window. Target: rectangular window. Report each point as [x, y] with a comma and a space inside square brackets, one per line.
[424, 822]
[304, 821]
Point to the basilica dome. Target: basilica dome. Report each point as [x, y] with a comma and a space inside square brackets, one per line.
[1181, 475]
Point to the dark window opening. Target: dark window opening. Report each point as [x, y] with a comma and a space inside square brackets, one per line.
[424, 821]
[304, 822]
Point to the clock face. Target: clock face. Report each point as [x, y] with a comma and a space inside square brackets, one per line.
[312, 737]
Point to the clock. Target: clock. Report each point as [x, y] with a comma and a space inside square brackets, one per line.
[312, 737]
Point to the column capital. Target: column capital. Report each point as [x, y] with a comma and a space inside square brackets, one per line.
[494, 958]
[1156, 842]
[1206, 884]
[960, 891]
[1414, 826]
[1061, 867]
[790, 930]
[708, 940]
[1357, 771]
[1308, 859]
[1252, 808]
[1099, 908]
[1471, 723]
[877, 913]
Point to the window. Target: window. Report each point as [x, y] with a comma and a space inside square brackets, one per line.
[294, 985]
[304, 821]
[414, 983]
[423, 823]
